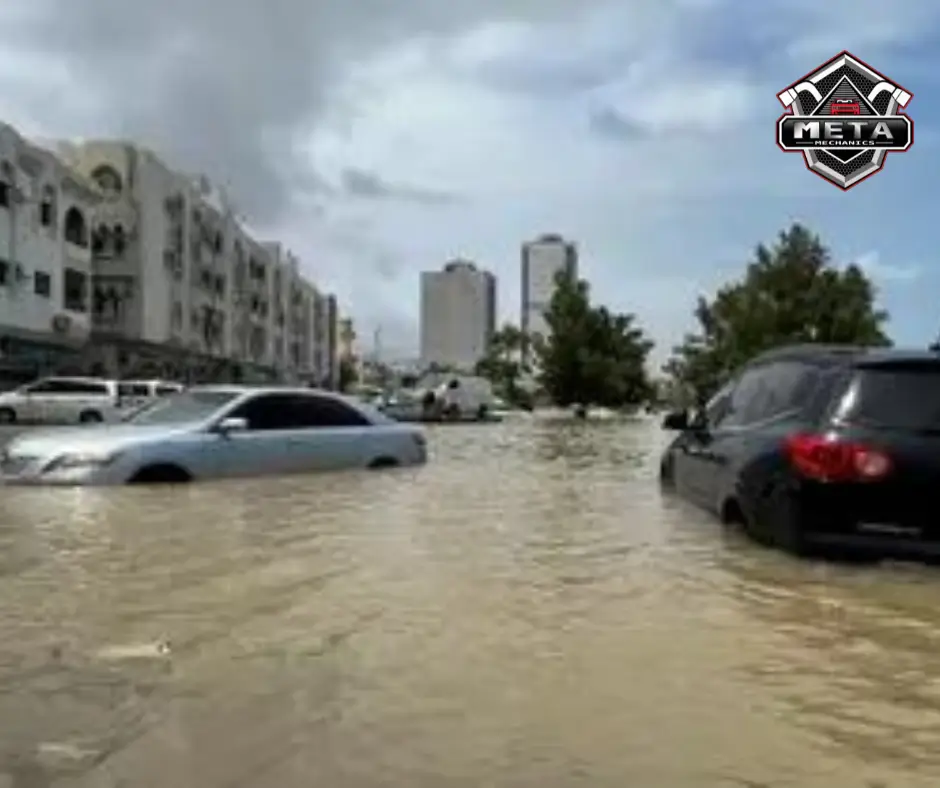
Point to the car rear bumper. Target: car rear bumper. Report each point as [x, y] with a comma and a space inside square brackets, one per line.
[897, 547]
[826, 518]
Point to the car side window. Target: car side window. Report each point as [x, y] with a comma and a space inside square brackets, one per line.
[718, 407]
[133, 390]
[58, 387]
[267, 412]
[79, 387]
[772, 390]
[42, 387]
[312, 412]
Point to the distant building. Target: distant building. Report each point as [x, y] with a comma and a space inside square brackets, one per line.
[542, 259]
[458, 315]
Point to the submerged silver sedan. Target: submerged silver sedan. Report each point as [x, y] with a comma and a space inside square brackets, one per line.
[214, 432]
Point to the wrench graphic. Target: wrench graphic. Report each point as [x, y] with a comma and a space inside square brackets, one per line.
[788, 96]
[902, 97]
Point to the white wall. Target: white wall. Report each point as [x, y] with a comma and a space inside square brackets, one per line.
[160, 296]
[542, 260]
[456, 320]
[28, 248]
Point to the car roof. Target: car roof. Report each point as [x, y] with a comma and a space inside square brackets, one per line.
[76, 379]
[847, 354]
[236, 389]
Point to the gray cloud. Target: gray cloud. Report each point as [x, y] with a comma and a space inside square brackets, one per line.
[229, 87]
[371, 186]
[607, 122]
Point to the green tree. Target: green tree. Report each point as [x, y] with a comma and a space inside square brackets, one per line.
[591, 356]
[501, 365]
[348, 374]
[790, 293]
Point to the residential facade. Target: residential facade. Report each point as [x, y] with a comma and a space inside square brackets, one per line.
[46, 212]
[458, 315]
[542, 260]
[182, 287]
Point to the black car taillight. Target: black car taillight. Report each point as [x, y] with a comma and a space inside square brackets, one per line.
[827, 458]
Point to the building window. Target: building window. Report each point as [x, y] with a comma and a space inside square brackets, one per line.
[101, 241]
[4, 273]
[7, 179]
[47, 207]
[42, 284]
[119, 240]
[76, 290]
[76, 230]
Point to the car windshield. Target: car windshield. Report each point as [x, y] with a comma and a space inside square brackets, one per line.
[180, 408]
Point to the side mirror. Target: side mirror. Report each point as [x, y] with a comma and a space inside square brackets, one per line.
[698, 423]
[230, 425]
[676, 420]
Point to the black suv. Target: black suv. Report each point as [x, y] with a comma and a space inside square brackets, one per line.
[813, 448]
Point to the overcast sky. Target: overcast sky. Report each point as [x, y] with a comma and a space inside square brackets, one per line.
[378, 139]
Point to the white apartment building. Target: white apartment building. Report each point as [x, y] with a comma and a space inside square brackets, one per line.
[458, 315]
[542, 259]
[179, 274]
[46, 212]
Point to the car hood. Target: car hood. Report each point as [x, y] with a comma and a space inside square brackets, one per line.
[98, 438]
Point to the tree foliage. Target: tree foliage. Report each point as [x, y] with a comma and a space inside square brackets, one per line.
[348, 374]
[790, 293]
[591, 356]
[503, 366]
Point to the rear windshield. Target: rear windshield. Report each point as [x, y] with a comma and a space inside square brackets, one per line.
[183, 408]
[893, 397]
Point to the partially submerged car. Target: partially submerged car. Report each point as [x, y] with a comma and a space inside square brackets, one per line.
[216, 432]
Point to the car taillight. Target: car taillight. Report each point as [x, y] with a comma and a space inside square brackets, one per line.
[826, 458]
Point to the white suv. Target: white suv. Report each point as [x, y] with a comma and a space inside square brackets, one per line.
[60, 400]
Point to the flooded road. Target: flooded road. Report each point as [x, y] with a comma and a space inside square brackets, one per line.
[524, 611]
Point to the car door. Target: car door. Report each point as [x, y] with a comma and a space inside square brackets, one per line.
[690, 458]
[767, 395]
[331, 434]
[67, 399]
[265, 447]
[29, 403]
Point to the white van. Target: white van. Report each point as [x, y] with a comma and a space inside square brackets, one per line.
[465, 398]
[133, 393]
[60, 400]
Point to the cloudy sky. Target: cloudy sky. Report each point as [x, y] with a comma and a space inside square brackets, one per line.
[380, 138]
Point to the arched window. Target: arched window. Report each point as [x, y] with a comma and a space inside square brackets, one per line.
[108, 179]
[76, 229]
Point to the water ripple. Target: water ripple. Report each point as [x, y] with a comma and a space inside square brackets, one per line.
[527, 610]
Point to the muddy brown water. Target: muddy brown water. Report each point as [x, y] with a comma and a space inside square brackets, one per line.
[527, 610]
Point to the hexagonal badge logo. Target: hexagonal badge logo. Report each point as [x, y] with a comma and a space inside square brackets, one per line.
[844, 118]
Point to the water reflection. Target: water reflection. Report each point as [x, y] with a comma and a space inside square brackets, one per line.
[524, 611]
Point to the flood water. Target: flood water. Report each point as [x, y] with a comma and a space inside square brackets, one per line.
[527, 610]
